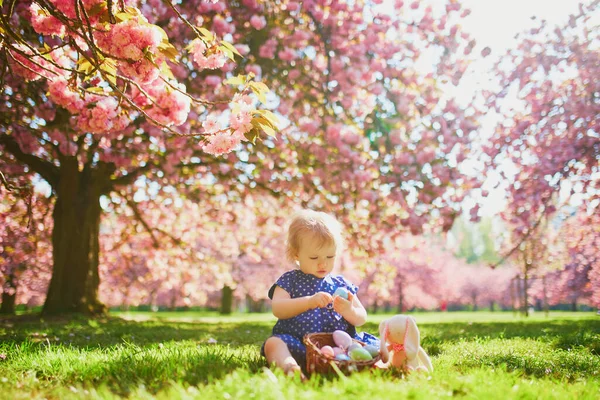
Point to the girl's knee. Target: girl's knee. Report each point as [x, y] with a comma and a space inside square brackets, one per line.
[273, 343]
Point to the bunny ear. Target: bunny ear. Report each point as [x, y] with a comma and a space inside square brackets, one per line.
[383, 351]
[425, 360]
[412, 339]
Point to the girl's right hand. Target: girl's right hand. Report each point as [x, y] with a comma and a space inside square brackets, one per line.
[320, 299]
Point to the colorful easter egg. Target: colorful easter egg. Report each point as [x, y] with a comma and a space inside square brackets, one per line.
[342, 357]
[353, 346]
[342, 292]
[328, 351]
[338, 350]
[373, 350]
[360, 354]
[342, 339]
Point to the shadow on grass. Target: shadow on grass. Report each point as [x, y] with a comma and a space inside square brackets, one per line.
[565, 334]
[154, 353]
[82, 332]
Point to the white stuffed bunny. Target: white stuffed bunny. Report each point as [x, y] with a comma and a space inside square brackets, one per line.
[400, 336]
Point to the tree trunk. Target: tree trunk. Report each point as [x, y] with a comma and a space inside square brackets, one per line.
[227, 300]
[525, 295]
[400, 299]
[9, 296]
[375, 306]
[75, 279]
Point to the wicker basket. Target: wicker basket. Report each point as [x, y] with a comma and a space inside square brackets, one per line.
[322, 364]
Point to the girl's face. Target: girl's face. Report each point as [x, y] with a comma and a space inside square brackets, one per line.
[314, 257]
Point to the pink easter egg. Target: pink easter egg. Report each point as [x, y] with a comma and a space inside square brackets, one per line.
[328, 351]
[342, 339]
[338, 350]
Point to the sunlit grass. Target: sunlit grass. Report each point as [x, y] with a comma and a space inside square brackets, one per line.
[476, 355]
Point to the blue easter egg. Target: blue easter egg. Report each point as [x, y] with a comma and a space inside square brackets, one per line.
[353, 346]
[342, 357]
[342, 292]
[373, 350]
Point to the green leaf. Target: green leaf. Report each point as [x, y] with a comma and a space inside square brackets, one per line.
[272, 118]
[252, 135]
[269, 131]
[123, 16]
[227, 52]
[236, 80]
[230, 47]
[263, 124]
[95, 89]
[165, 37]
[206, 34]
[261, 90]
[169, 51]
[109, 67]
[166, 71]
[84, 66]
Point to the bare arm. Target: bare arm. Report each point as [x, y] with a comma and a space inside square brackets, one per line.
[352, 309]
[285, 307]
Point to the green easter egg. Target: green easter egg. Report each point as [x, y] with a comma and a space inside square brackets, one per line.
[360, 354]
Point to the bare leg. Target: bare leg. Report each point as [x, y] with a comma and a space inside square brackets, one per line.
[278, 353]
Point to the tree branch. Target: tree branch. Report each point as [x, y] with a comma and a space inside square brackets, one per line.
[46, 169]
[139, 217]
[131, 176]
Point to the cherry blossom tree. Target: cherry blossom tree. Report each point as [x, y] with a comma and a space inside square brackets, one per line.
[548, 105]
[202, 251]
[25, 251]
[575, 279]
[97, 97]
[77, 111]
[422, 272]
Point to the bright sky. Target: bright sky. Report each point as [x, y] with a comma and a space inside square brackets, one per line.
[494, 24]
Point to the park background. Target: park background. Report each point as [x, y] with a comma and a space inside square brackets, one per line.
[152, 152]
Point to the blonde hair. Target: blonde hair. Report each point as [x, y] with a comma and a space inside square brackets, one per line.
[322, 226]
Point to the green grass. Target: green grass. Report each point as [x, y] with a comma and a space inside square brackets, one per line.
[171, 355]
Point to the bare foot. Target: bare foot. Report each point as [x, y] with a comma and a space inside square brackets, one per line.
[293, 370]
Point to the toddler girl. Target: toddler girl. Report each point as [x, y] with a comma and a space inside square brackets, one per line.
[303, 298]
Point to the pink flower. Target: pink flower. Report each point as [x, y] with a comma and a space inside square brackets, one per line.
[142, 71]
[242, 48]
[213, 80]
[221, 144]
[287, 54]
[294, 74]
[267, 50]
[293, 6]
[61, 94]
[240, 122]
[44, 23]
[197, 49]
[258, 22]
[171, 107]
[255, 69]
[211, 125]
[24, 67]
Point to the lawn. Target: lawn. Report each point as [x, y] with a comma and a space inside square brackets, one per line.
[204, 355]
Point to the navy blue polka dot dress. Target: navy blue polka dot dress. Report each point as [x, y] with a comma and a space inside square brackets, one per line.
[322, 319]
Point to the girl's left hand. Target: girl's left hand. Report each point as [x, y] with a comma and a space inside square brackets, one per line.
[341, 305]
